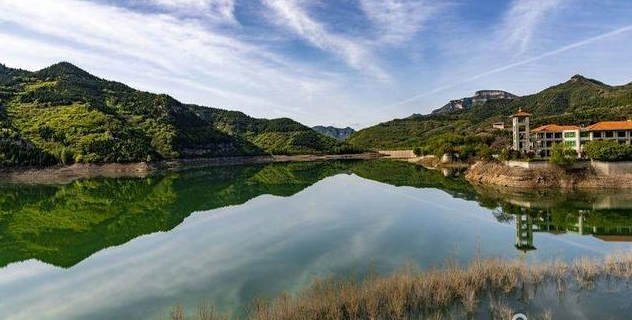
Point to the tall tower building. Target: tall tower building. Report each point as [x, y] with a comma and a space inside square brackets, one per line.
[521, 132]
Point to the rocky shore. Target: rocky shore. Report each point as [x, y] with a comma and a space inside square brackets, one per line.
[498, 174]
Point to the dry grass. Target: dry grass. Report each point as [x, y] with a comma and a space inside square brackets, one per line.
[436, 293]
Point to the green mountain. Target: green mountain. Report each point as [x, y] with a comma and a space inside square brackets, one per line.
[276, 136]
[578, 101]
[62, 114]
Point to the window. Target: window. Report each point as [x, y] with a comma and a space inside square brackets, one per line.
[584, 134]
[558, 135]
[621, 134]
[569, 134]
[549, 135]
[609, 134]
[570, 143]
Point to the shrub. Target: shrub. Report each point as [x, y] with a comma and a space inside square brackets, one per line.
[562, 155]
[66, 156]
[483, 151]
[417, 151]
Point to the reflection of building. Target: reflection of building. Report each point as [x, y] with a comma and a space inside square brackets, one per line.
[541, 139]
[604, 225]
[524, 232]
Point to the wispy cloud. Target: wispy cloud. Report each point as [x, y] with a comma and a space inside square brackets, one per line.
[293, 15]
[524, 18]
[399, 20]
[217, 10]
[512, 65]
[159, 46]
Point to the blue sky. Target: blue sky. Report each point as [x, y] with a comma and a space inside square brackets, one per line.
[330, 62]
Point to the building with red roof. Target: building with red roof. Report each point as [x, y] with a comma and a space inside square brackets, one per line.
[541, 139]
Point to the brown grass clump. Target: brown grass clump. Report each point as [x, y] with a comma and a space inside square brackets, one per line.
[436, 293]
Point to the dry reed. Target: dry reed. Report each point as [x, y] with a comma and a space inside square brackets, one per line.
[412, 293]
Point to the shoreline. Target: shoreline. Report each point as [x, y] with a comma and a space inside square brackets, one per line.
[61, 174]
[501, 175]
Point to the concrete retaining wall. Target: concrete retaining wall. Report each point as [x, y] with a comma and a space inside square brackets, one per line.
[545, 165]
[399, 154]
[612, 168]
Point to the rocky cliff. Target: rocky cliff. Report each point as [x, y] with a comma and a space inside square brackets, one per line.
[479, 98]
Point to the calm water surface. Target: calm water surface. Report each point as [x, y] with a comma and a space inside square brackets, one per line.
[131, 248]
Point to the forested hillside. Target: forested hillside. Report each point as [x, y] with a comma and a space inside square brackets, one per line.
[62, 114]
[578, 101]
[276, 136]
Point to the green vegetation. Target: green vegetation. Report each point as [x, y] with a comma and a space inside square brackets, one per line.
[481, 145]
[562, 155]
[62, 114]
[577, 101]
[277, 136]
[608, 150]
[64, 224]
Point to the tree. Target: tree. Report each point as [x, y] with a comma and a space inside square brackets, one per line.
[608, 150]
[562, 155]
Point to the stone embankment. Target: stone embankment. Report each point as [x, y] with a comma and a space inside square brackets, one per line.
[498, 174]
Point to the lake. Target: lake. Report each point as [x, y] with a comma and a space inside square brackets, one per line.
[131, 248]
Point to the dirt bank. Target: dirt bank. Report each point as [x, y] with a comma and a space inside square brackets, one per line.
[64, 174]
[497, 174]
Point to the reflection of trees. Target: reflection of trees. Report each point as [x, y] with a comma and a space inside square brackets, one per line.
[63, 224]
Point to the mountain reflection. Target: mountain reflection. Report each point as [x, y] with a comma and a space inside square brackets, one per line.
[64, 224]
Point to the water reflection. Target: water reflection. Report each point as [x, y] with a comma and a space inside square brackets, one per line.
[130, 248]
[603, 214]
[64, 224]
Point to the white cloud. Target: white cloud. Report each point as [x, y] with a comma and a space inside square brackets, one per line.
[523, 19]
[165, 53]
[398, 20]
[294, 16]
[218, 10]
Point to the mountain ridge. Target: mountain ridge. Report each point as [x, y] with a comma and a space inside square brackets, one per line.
[579, 100]
[63, 114]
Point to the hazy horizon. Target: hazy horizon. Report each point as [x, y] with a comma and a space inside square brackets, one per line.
[343, 63]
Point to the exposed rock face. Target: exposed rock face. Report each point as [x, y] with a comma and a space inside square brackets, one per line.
[496, 174]
[336, 133]
[479, 97]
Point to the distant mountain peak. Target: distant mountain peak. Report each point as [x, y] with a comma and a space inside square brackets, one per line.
[479, 97]
[336, 133]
